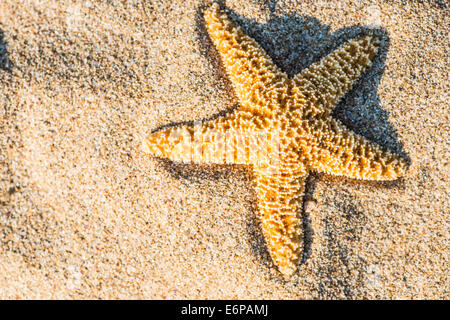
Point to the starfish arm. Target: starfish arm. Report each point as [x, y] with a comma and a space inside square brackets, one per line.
[225, 140]
[279, 196]
[325, 82]
[339, 151]
[255, 78]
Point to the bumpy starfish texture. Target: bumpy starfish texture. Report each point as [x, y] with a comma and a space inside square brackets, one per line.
[283, 129]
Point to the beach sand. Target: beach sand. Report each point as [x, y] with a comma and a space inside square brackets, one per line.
[85, 214]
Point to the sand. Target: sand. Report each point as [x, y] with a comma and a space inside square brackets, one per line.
[85, 214]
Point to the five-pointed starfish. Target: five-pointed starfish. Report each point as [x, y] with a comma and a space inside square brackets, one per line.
[283, 129]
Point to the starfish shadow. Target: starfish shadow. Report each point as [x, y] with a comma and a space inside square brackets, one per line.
[294, 42]
[198, 173]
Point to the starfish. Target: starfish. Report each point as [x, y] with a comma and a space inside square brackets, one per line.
[283, 129]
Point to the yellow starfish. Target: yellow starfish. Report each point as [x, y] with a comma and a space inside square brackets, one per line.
[283, 129]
